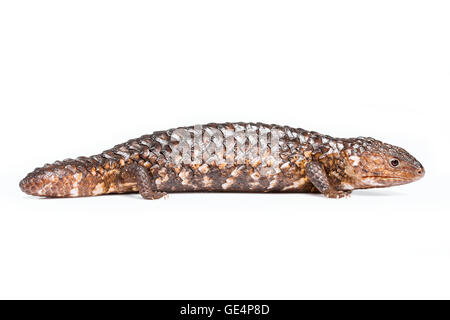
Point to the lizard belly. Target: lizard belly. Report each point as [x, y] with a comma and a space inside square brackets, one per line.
[239, 178]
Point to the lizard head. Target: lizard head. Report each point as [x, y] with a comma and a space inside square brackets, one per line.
[373, 164]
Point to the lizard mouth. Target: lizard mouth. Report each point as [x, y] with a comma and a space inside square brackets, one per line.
[390, 179]
[385, 177]
[384, 181]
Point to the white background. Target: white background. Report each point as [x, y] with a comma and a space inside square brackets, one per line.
[77, 77]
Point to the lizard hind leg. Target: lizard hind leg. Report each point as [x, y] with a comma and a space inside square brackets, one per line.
[143, 180]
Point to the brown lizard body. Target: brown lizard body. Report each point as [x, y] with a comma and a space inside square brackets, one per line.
[233, 157]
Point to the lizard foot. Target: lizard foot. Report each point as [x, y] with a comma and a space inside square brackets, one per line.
[338, 194]
[152, 195]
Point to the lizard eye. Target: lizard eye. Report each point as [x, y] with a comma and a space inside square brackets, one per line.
[394, 162]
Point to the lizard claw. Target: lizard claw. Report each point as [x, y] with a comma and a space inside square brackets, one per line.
[338, 194]
[152, 195]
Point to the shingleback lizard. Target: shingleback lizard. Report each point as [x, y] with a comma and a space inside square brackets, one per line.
[233, 157]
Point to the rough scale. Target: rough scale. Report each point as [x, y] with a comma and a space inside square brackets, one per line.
[231, 157]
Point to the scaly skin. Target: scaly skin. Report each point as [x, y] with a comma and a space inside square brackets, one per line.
[234, 157]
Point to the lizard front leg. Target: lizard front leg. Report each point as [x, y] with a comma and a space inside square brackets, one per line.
[318, 177]
[143, 181]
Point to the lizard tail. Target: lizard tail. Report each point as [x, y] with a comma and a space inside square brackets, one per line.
[68, 178]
